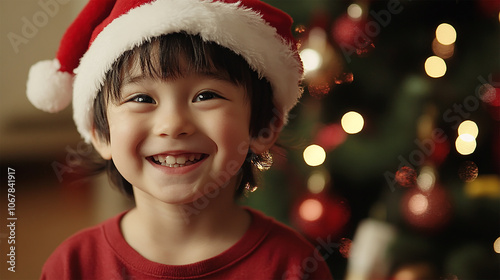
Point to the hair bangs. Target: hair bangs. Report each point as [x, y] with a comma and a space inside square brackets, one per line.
[177, 55]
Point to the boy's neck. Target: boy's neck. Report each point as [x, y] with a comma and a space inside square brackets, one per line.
[183, 234]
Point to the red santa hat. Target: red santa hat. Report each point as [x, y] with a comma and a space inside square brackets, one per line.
[105, 29]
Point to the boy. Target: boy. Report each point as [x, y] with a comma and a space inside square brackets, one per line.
[180, 98]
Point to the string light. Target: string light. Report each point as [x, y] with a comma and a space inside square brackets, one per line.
[310, 209]
[435, 67]
[311, 60]
[468, 127]
[443, 51]
[354, 11]
[352, 122]
[446, 34]
[426, 179]
[316, 183]
[466, 140]
[314, 155]
[418, 204]
[465, 144]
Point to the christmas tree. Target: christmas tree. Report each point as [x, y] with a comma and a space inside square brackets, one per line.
[391, 163]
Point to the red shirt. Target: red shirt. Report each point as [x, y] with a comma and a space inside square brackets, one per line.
[268, 250]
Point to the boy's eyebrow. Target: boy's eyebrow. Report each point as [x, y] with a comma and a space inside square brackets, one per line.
[216, 75]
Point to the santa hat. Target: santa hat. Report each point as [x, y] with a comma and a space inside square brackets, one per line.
[105, 29]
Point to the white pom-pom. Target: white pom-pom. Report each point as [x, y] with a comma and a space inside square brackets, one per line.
[49, 89]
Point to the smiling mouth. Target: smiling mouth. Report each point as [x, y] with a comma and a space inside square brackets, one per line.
[178, 160]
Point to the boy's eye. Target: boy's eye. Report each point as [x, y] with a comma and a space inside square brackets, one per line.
[142, 98]
[206, 95]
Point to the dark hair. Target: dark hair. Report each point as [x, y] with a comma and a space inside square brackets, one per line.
[160, 58]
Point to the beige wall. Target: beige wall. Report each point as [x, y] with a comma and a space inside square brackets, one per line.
[48, 209]
[26, 131]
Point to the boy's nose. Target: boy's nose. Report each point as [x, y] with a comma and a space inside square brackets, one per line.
[174, 124]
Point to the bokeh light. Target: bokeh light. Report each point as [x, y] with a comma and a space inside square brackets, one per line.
[354, 11]
[468, 127]
[311, 60]
[426, 179]
[428, 211]
[314, 155]
[485, 185]
[446, 34]
[330, 136]
[465, 144]
[488, 94]
[443, 51]
[435, 67]
[418, 204]
[310, 209]
[352, 122]
[316, 182]
[321, 215]
[496, 245]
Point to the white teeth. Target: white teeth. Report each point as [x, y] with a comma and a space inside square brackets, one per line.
[181, 160]
[170, 160]
[161, 158]
[177, 161]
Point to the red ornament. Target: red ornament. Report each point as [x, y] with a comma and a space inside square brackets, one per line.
[441, 151]
[320, 215]
[345, 247]
[353, 35]
[349, 31]
[406, 176]
[426, 210]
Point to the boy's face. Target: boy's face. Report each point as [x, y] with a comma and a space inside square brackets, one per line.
[178, 139]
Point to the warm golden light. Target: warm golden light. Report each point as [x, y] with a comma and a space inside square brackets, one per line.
[354, 11]
[352, 122]
[496, 245]
[310, 210]
[435, 67]
[446, 34]
[316, 182]
[465, 144]
[468, 127]
[314, 155]
[418, 204]
[443, 51]
[311, 60]
[426, 179]
[483, 186]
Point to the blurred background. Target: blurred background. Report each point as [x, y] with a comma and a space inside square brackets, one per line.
[390, 165]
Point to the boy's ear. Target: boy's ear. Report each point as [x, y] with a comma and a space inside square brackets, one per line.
[101, 146]
[266, 137]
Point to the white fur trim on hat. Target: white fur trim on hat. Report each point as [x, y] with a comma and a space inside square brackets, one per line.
[47, 88]
[239, 29]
